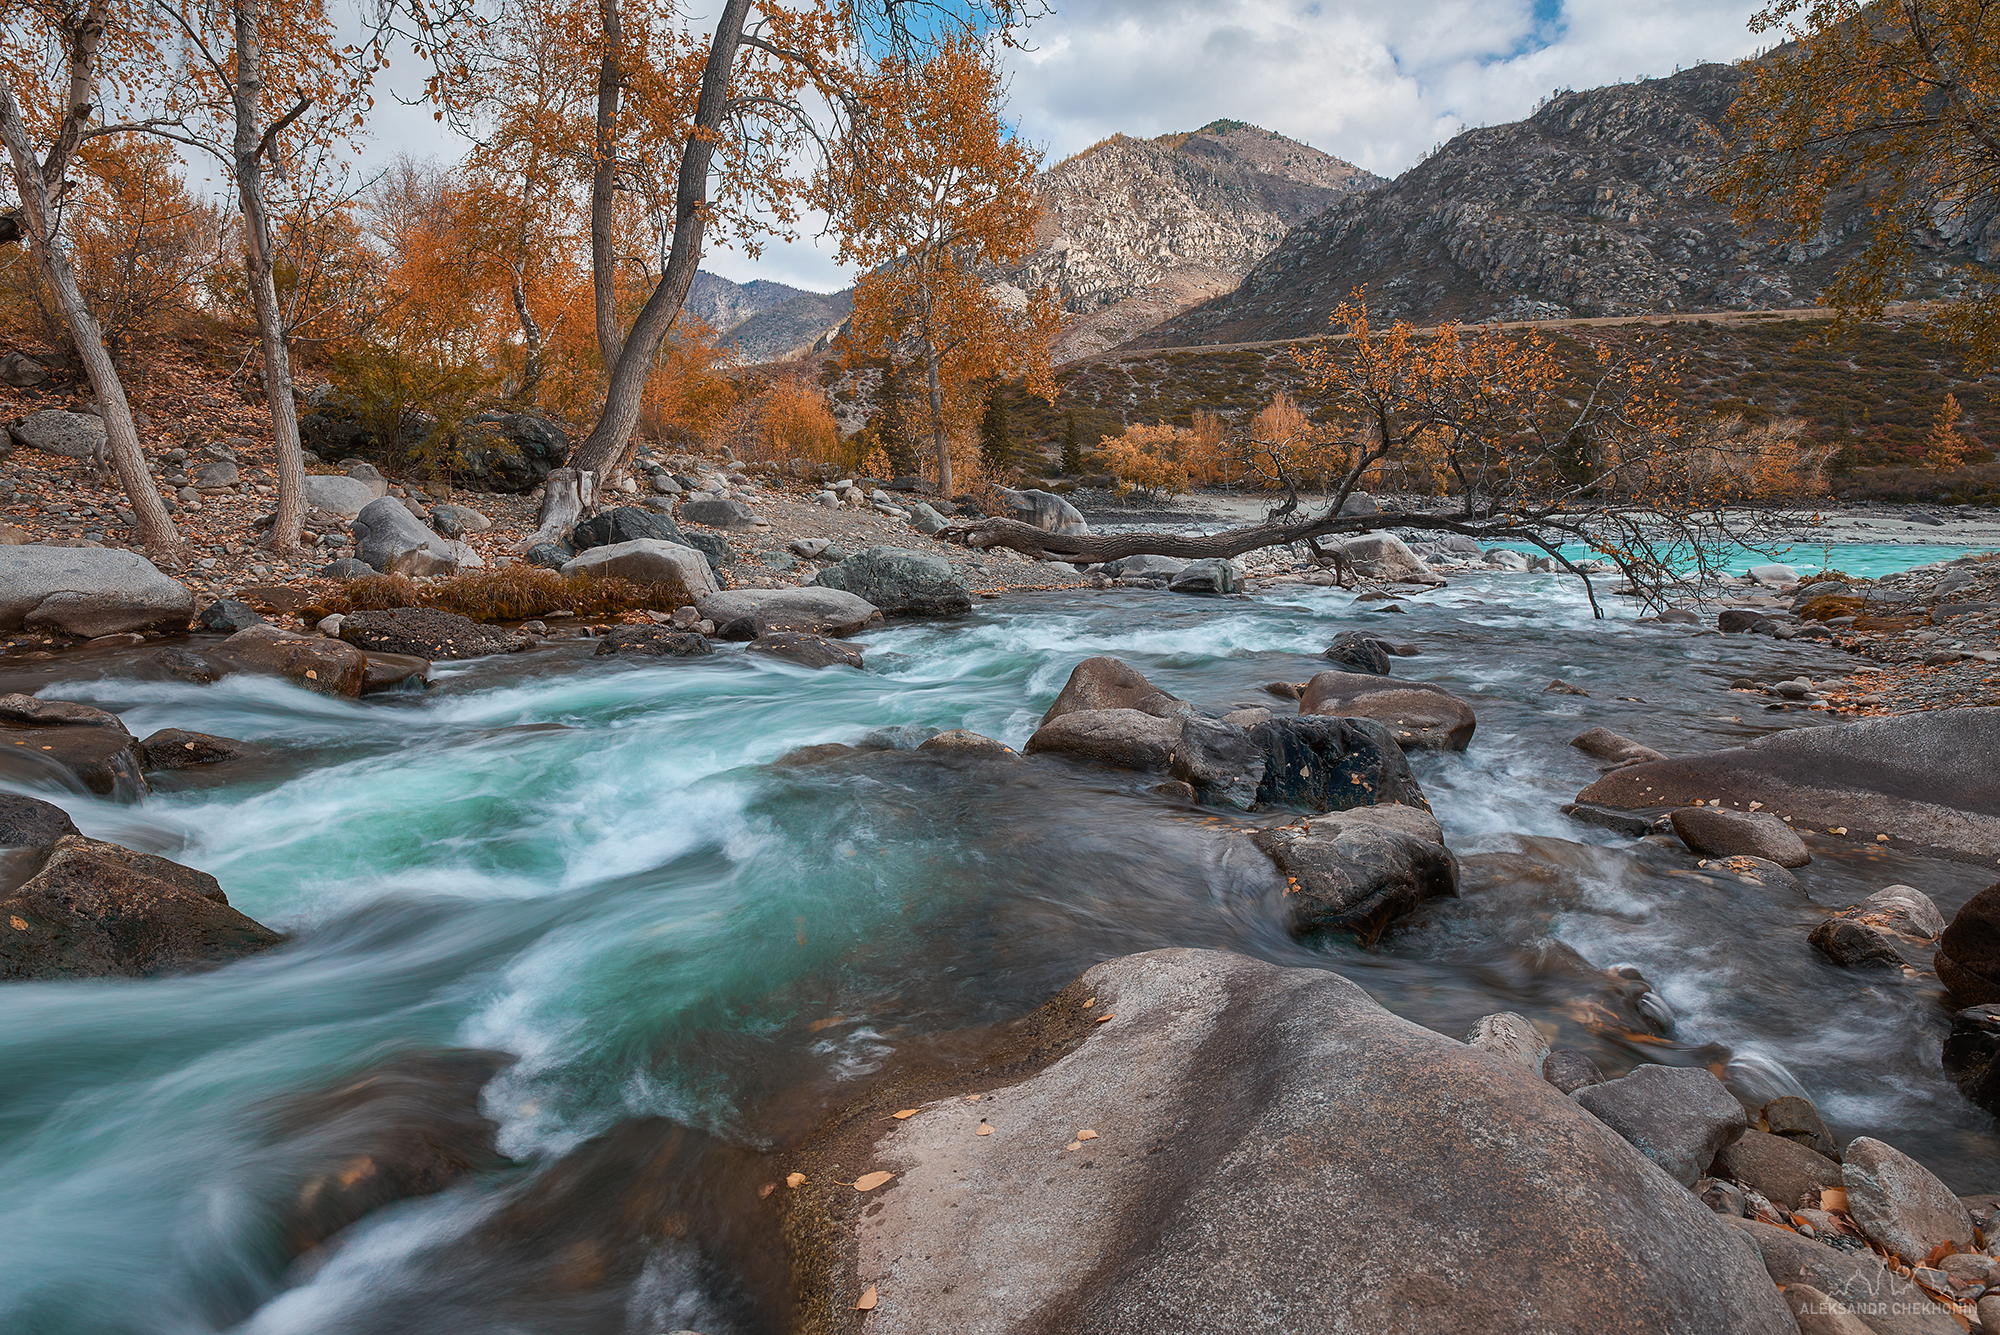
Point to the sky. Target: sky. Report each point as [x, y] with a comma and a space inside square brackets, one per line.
[1377, 82]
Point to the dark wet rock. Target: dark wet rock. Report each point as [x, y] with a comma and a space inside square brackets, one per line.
[959, 741]
[80, 746]
[802, 756]
[718, 514]
[387, 672]
[96, 910]
[1921, 778]
[1290, 1105]
[1112, 683]
[744, 614]
[226, 616]
[1855, 945]
[1968, 954]
[1510, 1037]
[185, 665]
[427, 632]
[896, 737]
[1798, 1121]
[1569, 1070]
[1332, 764]
[1759, 871]
[1971, 1050]
[347, 567]
[1046, 511]
[1740, 833]
[813, 651]
[1561, 687]
[1784, 1171]
[29, 822]
[1221, 762]
[1679, 1117]
[679, 576]
[656, 641]
[899, 582]
[1899, 1204]
[1356, 652]
[1358, 871]
[315, 662]
[1285, 690]
[87, 592]
[1604, 744]
[1214, 576]
[1736, 620]
[1857, 1280]
[548, 555]
[1420, 716]
[715, 547]
[408, 1126]
[508, 452]
[625, 524]
[176, 748]
[1624, 822]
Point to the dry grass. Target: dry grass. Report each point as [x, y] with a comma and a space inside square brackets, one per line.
[513, 593]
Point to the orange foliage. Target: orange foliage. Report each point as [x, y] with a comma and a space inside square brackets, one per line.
[1944, 448]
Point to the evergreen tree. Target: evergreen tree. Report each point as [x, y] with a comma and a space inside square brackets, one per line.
[996, 445]
[1072, 460]
[891, 429]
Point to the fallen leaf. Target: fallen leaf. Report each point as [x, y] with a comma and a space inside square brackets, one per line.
[867, 1303]
[1088, 1004]
[1833, 1200]
[905, 1115]
[870, 1181]
[1086, 1135]
[829, 1021]
[972, 1098]
[1074, 1145]
[18, 924]
[766, 1190]
[1102, 1018]
[983, 1130]
[795, 1179]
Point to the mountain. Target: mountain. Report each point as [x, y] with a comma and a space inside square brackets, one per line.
[765, 320]
[1136, 230]
[1596, 205]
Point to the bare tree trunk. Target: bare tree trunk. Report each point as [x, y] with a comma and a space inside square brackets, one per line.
[566, 494]
[603, 451]
[283, 537]
[603, 184]
[156, 527]
[531, 343]
[939, 440]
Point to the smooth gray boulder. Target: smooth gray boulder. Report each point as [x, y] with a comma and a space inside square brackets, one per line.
[69, 435]
[1165, 566]
[1604, 744]
[900, 582]
[1899, 1204]
[1213, 576]
[1755, 834]
[394, 541]
[745, 614]
[681, 574]
[1420, 716]
[1273, 1151]
[1104, 682]
[1510, 1037]
[720, 513]
[927, 521]
[339, 495]
[1680, 1117]
[88, 591]
[1357, 871]
[1385, 557]
[1046, 511]
[1773, 574]
[1783, 1171]
[1924, 779]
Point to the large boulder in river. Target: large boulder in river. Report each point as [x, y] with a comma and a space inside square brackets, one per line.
[394, 541]
[313, 661]
[1926, 780]
[1358, 871]
[1219, 761]
[627, 523]
[1213, 576]
[1729, 834]
[813, 651]
[427, 632]
[1272, 1151]
[78, 746]
[1422, 716]
[680, 575]
[29, 822]
[95, 910]
[1112, 683]
[87, 591]
[1332, 764]
[899, 582]
[1357, 652]
[1968, 954]
[1046, 511]
[1384, 556]
[744, 614]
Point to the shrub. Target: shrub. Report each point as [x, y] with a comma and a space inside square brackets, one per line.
[511, 593]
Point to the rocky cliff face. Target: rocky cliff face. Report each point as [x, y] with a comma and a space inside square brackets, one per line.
[1136, 230]
[764, 320]
[1596, 205]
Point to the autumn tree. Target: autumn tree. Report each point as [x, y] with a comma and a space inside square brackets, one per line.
[1944, 447]
[937, 193]
[1898, 102]
[1546, 445]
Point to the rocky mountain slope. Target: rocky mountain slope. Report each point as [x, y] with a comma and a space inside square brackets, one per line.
[1594, 206]
[1136, 230]
[765, 320]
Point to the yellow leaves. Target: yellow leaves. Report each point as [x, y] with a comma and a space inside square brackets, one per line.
[1108, 1015]
[905, 1115]
[870, 1181]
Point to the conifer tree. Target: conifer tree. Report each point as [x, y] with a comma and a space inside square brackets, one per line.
[892, 429]
[996, 446]
[1072, 458]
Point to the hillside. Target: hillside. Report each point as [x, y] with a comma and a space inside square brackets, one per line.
[1136, 230]
[765, 320]
[1595, 205]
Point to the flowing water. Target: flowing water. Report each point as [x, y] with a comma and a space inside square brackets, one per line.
[592, 865]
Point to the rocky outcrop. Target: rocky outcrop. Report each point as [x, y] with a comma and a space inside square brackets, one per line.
[652, 642]
[1112, 683]
[744, 614]
[1596, 205]
[87, 591]
[95, 910]
[1420, 716]
[1166, 1170]
[1922, 779]
[1316, 763]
